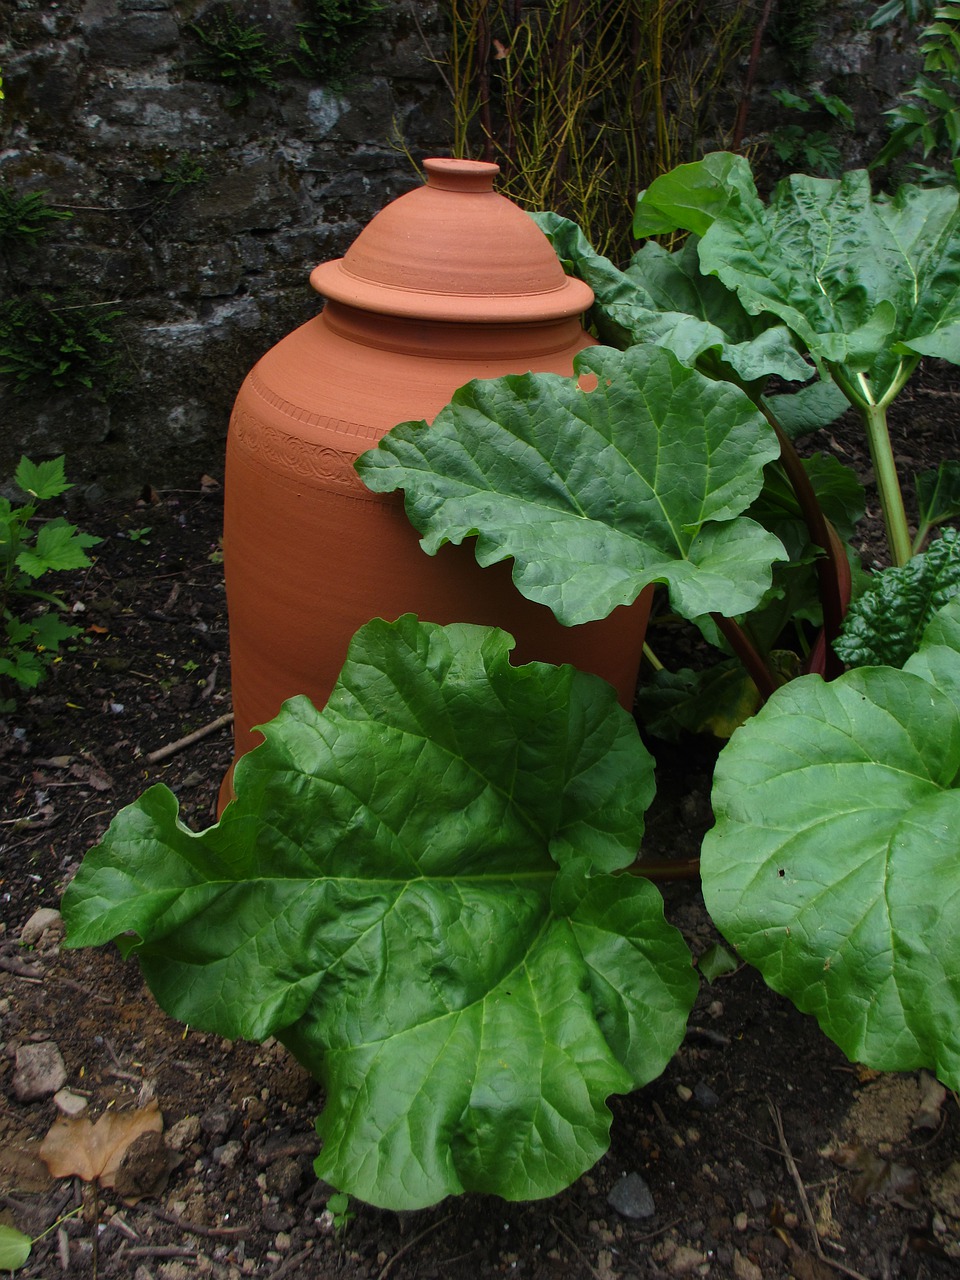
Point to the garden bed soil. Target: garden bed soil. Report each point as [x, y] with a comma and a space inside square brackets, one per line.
[761, 1152]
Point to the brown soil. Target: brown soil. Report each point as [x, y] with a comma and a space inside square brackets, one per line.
[731, 1141]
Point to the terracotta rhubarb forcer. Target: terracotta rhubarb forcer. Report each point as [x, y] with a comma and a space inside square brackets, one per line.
[448, 283]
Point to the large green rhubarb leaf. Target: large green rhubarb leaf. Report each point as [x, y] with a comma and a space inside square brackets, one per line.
[868, 284]
[633, 471]
[834, 865]
[412, 890]
[664, 298]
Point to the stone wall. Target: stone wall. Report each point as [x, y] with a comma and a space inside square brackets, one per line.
[197, 221]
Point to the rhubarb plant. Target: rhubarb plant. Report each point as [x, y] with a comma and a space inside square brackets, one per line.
[419, 888]
[414, 890]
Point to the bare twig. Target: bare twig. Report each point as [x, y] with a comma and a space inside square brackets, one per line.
[189, 739]
[388, 1265]
[194, 1228]
[804, 1202]
[576, 1248]
[20, 968]
[291, 1263]
[158, 1251]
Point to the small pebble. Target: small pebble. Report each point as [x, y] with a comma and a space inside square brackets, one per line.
[683, 1093]
[632, 1198]
[43, 919]
[228, 1156]
[706, 1097]
[40, 1071]
[744, 1269]
[183, 1133]
[69, 1104]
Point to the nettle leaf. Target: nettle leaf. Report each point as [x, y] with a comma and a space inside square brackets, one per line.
[595, 492]
[42, 479]
[664, 298]
[59, 545]
[885, 624]
[862, 281]
[412, 891]
[833, 866]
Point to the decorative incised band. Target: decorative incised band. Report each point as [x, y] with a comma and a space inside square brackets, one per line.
[281, 451]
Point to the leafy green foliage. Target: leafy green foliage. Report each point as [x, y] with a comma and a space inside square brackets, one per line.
[893, 10]
[814, 149]
[928, 114]
[534, 462]
[885, 624]
[836, 812]
[332, 33]
[66, 347]
[413, 890]
[183, 171]
[32, 633]
[236, 53]
[25, 220]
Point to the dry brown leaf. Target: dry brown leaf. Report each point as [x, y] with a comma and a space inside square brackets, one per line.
[932, 1097]
[878, 1177]
[93, 1152]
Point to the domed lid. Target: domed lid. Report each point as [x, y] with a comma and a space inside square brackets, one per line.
[454, 250]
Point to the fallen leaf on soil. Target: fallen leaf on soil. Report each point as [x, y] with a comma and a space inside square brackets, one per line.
[932, 1097]
[93, 776]
[878, 1177]
[93, 1152]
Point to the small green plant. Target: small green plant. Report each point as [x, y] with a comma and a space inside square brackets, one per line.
[331, 34]
[338, 1208]
[236, 53]
[140, 535]
[25, 220]
[33, 629]
[182, 172]
[815, 150]
[44, 344]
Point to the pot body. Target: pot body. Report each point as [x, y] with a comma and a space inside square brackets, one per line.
[310, 554]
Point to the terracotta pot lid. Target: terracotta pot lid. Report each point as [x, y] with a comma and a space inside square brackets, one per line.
[454, 250]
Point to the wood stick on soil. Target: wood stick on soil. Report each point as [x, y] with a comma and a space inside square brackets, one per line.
[189, 739]
[292, 1263]
[805, 1203]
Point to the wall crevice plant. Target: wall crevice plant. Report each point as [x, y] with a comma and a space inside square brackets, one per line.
[64, 345]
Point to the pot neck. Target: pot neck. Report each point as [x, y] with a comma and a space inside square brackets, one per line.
[443, 340]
